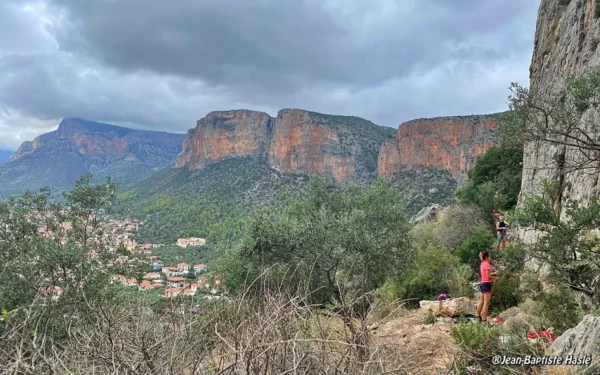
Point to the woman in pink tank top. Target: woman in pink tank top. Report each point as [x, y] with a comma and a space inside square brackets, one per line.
[485, 286]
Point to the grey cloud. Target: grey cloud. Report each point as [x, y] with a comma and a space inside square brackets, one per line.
[278, 44]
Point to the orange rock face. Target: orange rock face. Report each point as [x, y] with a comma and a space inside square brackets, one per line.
[294, 142]
[100, 147]
[451, 143]
[224, 134]
[301, 146]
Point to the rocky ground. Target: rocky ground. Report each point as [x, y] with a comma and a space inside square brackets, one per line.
[427, 348]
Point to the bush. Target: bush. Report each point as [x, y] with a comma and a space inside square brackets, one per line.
[429, 318]
[505, 292]
[457, 223]
[435, 271]
[512, 257]
[560, 309]
[479, 340]
[499, 170]
[453, 225]
[468, 251]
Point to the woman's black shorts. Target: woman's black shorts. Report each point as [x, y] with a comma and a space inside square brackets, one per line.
[485, 287]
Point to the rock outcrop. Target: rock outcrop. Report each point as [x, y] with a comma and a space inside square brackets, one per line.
[296, 141]
[450, 307]
[581, 341]
[447, 143]
[566, 45]
[58, 158]
[427, 213]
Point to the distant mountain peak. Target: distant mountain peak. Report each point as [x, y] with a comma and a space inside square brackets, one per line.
[78, 146]
[71, 125]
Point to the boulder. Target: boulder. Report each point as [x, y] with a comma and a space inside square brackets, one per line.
[427, 213]
[450, 307]
[581, 341]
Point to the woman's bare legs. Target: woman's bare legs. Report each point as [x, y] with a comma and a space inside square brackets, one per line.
[486, 298]
[480, 305]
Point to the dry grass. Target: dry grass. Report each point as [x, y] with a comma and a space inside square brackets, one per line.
[271, 334]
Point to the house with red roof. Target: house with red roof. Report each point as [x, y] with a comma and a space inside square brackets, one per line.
[146, 285]
[152, 275]
[198, 268]
[184, 268]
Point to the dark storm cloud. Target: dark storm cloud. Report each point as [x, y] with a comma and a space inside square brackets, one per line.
[165, 64]
[280, 44]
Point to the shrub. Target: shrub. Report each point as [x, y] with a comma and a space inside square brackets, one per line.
[436, 271]
[452, 226]
[512, 257]
[457, 223]
[479, 340]
[560, 309]
[499, 170]
[429, 318]
[468, 251]
[505, 292]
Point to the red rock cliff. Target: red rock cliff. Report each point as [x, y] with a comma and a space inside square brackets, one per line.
[296, 141]
[224, 134]
[301, 145]
[451, 143]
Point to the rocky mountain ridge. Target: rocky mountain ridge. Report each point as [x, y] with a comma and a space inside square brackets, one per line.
[425, 158]
[58, 158]
[295, 141]
[349, 149]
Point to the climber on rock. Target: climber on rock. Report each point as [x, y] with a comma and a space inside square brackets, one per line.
[501, 227]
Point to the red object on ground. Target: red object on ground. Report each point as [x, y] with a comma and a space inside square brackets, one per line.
[498, 320]
[541, 334]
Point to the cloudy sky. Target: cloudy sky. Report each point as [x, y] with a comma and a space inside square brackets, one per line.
[157, 64]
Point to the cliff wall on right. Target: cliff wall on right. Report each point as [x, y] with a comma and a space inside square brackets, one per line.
[566, 44]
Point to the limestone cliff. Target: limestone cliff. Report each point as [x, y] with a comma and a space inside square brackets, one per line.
[447, 143]
[296, 141]
[566, 44]
[224, 134]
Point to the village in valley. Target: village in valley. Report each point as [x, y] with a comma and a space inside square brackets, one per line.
[171, 280]
[181, 279]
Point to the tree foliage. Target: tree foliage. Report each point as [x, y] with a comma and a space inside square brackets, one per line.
[57, 261]
[332, 241]
[171, 217]
[498, 171]
[568, 239]
[567, 119]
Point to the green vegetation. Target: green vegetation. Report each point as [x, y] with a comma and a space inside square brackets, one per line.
[331, 242]
[425, 187]
[170, 218]
[173, 254]
[569, 247]
[499, 170]
[429, 318]
[468, 251]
